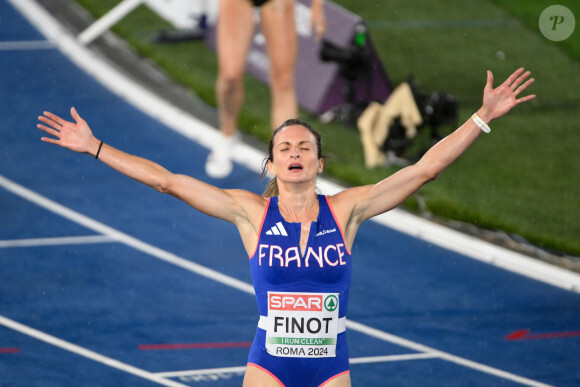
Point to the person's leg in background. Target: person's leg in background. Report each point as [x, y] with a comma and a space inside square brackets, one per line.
[279, 28]
[234, 33]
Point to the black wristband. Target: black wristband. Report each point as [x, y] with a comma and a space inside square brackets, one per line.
[99, 151]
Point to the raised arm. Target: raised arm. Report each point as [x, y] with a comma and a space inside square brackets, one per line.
[361, 203]
[230, 205]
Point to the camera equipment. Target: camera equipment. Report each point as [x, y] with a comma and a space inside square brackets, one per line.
[437, 109]
[354, 63]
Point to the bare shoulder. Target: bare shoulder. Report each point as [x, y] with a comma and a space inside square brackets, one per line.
[346, 206]
[349, 197]
[248, 221]
[347, 203]
[253, 205]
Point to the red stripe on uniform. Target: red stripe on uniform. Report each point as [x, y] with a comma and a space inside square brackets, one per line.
[268, 372]
[335, 376]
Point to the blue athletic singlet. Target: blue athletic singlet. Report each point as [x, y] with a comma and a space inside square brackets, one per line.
[302, 299]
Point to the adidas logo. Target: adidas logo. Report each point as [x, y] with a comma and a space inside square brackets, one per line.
[278, 229]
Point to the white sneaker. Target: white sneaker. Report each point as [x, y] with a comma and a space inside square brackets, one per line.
[218, 164]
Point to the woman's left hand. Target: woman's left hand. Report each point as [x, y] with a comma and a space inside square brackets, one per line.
[502, 99]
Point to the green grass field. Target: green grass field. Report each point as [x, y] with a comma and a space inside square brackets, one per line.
[523, 178]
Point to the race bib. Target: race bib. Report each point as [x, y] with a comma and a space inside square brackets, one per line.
[302, 324]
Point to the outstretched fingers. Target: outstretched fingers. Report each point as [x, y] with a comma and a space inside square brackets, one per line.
[75, 136]
[519, 80]
[48, 130]
[53, 126]
[499, 101]
[514, 83]
[75, 115]
[512, 78]
[489, 83]
[50, 122]
[526, 98]
[50, 140]
[53, 132]
[518, 87]
[524, 86]
[52, 117]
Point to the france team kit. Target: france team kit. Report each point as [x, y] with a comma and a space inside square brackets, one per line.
[302, 299]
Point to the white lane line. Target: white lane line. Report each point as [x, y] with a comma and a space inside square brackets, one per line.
[354, 360]
[207, 371]
[122, 237]
[86, 352]
[108, 20]
[230, 281]
[58, 241]
[198, 131]
[27, 45]
[193, 128]
[384, 336]
[391, 358]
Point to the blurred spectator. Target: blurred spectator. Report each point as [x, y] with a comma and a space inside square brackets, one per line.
[235, 29]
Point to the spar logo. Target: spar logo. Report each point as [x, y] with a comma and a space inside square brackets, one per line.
[331, 303]
[296, 302]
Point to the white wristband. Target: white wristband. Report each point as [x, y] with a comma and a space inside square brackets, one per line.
[480, 123]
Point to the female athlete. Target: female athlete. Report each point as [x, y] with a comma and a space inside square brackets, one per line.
[298, 242]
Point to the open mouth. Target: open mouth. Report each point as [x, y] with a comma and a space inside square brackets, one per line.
[295, 166]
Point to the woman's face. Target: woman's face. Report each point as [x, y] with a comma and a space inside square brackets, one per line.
[295, 155]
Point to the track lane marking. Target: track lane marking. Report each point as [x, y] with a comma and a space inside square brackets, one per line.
[525, 334]
[207, 371]
[26, 45]
[391, 358]
[57, 241]
[161, 347]
[354, 360]
[121, 237]
[490, 254]
[190, 127]
[70, 347]
[9, 350]
[166, 256]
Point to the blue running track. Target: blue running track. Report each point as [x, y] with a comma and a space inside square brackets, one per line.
[99, 283]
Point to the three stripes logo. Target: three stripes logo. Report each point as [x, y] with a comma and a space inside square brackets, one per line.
[278, 229]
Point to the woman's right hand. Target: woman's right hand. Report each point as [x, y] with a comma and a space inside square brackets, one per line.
[76, 136]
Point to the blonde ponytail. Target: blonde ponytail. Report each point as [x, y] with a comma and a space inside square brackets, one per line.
[271, 188]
